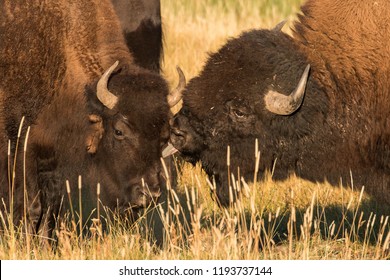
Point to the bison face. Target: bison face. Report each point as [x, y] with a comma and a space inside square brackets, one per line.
[249, 90]
[129, 160]
[205, 135]
[185, 137]
[129, 126]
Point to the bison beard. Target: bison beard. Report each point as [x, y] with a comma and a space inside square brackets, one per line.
[108, 128]
[340, 128]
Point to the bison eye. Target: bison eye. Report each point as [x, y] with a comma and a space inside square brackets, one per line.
[238, 113]
[118, 133]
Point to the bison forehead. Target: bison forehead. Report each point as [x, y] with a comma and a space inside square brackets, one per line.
[144, 82]
[141, 94]
[150, 125]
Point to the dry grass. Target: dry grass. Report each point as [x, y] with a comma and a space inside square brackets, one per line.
[277, 222]
[192, 29]
[295, 219]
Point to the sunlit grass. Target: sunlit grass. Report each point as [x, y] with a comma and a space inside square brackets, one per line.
[277, 222]
[270, 221]
[192, 29]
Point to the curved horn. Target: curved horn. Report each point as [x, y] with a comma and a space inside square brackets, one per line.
[279, 26]
[281, 104]
[103, 94]
[176, 95]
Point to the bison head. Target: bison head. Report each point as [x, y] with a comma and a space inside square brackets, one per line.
[252, 88]
[128, 127]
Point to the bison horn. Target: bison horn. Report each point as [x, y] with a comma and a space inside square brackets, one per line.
[281, 104]
[176, 95]
[279, 26]
[103, 94]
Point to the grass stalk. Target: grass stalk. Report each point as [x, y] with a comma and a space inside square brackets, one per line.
[25, 195]
[80, 209]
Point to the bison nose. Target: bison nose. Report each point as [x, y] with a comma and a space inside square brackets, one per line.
[178, 137]
[143, 196]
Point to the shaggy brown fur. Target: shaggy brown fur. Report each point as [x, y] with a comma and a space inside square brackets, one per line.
[348, 42]
[342, 127]
[51, 56]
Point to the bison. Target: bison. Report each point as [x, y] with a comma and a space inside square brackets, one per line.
[141, 25]
[92, 112]
[317, 102]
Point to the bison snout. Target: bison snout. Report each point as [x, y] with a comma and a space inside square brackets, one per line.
[143, 196]
[178, 137]
[185, 139]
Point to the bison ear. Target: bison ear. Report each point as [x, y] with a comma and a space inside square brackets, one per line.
[95, 133]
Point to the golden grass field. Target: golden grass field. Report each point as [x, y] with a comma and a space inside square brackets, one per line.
[295, 219]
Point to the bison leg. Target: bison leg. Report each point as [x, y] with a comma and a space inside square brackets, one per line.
[35, 214]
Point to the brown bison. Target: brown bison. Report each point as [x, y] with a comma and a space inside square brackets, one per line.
[88, 115]
[318, 101]
[141, 25]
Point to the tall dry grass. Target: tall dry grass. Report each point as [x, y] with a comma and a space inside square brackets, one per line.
[294, 219]
[192, 29]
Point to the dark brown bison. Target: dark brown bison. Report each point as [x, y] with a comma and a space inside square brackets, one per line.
[88, 115]
[318, 101]
[141, 25]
